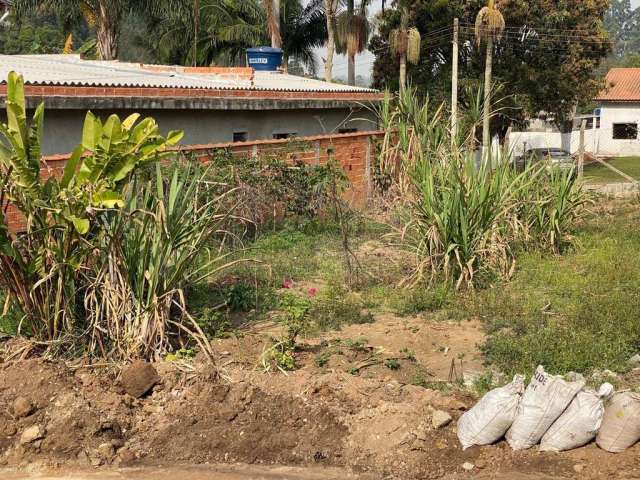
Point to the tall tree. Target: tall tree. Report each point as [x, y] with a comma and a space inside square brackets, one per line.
[405, 43]
[548, 59]
[272, 7]
[331, 12]
[489, 28]
[353, 34]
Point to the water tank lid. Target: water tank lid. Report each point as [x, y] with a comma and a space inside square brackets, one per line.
[264, 50]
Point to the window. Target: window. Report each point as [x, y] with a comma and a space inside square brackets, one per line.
[347, 130]
[240, 136]
[283, 135]
[625, 131]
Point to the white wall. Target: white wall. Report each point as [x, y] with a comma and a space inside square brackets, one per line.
[618, 113]
[565, 141]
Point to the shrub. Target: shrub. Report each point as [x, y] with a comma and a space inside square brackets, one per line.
[44, 269]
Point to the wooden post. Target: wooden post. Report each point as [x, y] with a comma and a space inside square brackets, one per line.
[583, 126]
[454, 85]
[507, 149]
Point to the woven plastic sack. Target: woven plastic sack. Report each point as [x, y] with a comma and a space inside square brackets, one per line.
[544, 400]
[491, 417]
[621, 423]
[579, 423]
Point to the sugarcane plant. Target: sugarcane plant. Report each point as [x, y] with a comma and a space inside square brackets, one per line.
[44, 267]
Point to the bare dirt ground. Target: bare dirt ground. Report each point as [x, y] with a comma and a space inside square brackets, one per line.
[321, 421]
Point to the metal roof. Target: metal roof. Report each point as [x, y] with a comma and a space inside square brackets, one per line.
[71, 70]
[621, 85]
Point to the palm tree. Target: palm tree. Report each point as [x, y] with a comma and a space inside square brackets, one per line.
[405, 43]
[303, 29]
[105, 15]
[331, 12]
[489, 28]
[272, 7]
[353, 34]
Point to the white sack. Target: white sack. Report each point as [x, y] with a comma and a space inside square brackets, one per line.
[621, 423]
[544, 400]
[491, 417]
[579, 423]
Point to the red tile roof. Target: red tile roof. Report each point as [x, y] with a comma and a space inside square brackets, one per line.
[622, 85]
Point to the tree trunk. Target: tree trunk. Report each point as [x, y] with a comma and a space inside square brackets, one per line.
[276, 35]
[196, 30]
[285, 63]
[330, 9]
[351, 73]
[486, 120]
[403, 72]
[107, 33]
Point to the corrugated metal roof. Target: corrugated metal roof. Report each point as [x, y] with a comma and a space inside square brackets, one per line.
[622, 85]
[71, 70]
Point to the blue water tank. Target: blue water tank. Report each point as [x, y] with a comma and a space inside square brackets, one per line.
[264, 58]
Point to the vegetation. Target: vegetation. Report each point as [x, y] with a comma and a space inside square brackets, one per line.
[597, 173]
[539, 37]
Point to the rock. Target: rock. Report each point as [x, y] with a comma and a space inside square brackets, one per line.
[139, 378]
[440, 419]
[468, 466]
[106, 451]
[31, 434]
[635, 360]
[22, 407]
[578, 468]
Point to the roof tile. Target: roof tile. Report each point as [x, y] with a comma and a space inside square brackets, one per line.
[622, 85]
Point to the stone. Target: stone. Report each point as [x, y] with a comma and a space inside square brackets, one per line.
[31, 434]
[635, 360]
[139, 378]
[106, 451]
[440, 419]
[22, 407]
[578, 468]
[468, 466]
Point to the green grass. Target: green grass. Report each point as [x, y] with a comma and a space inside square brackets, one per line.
[576, 312]
[599, 174]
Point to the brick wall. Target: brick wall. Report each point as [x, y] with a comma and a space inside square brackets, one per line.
[355, 152]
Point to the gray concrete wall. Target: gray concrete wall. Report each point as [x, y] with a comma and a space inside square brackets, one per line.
[62, 128]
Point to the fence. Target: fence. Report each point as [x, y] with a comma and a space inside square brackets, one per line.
[353, 151]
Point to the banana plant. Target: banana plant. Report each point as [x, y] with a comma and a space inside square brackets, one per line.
[44, 268]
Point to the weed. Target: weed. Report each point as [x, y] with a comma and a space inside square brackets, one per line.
[181, 354]
[358, 345]
[392, 363]
[215, 323]
[483, 383]
[335, 307]
[409, 354]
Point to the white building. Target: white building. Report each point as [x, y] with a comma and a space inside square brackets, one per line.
[619, 113]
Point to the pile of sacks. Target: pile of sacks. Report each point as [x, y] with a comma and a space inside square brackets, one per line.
[557, 412]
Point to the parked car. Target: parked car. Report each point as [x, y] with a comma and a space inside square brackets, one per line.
[556, 157]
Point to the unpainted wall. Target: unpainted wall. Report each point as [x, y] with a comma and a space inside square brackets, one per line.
[63, 128]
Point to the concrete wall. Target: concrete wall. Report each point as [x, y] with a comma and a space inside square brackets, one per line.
[566, 141]
[63, 128]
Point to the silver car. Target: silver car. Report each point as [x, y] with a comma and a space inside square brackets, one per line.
[556, 157]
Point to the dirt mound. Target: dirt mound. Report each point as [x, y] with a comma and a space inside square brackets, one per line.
[83, 417]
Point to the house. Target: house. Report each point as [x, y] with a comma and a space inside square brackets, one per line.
[211, 104]
[619, 113]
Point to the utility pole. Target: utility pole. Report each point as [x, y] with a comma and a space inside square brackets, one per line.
[583, 126]
[454, 85]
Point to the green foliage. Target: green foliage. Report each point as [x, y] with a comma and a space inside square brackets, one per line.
[527, 64]
[215, 323]
[392, 363]
[409, 354]
[295, 317]
[570, 313]
[335, 307]
[180, 354]
[44, 268]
